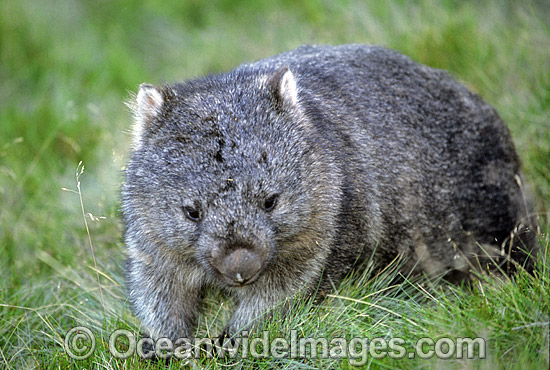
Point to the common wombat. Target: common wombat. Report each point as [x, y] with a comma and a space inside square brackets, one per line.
[280, 176]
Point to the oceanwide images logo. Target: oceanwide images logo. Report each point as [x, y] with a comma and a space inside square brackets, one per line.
[80, 344]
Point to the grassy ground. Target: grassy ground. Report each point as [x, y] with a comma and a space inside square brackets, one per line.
[67, 66]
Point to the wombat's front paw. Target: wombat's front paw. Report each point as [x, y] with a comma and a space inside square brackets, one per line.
[226, 338]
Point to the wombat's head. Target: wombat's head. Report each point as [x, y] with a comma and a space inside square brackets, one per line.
[226, 173]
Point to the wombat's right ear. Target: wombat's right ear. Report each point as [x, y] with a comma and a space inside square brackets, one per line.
[147, 105]
[283, 86]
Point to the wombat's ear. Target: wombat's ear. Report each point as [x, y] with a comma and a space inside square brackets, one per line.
[147, 105]
[149, 101]
[283, 86]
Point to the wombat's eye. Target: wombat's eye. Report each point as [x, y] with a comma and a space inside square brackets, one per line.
[271, 202]
[192, 213]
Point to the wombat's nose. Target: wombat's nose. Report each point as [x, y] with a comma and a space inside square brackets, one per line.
[241, 266]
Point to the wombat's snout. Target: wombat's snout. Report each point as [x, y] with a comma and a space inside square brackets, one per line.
[239, 267]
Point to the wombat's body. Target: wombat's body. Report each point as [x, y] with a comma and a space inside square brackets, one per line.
[279, 177]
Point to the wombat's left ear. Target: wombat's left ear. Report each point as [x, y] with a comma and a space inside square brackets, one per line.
[146, 107]
[148, 102]
[283, 86]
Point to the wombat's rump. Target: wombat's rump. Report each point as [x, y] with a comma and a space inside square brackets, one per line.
[279, 177]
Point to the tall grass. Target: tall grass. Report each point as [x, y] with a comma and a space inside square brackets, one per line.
[67, 66]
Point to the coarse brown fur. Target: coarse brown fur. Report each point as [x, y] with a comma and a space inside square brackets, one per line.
[279, 177]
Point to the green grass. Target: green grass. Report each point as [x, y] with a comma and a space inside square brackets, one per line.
[67, 66]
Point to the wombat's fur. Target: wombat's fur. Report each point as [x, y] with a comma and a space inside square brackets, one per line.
[279, 177]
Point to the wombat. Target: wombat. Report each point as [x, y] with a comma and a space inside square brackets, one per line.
[278, 178]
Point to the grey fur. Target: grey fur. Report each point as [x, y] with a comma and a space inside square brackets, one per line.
[368, 152]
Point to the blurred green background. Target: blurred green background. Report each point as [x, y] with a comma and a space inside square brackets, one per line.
[67, 66]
